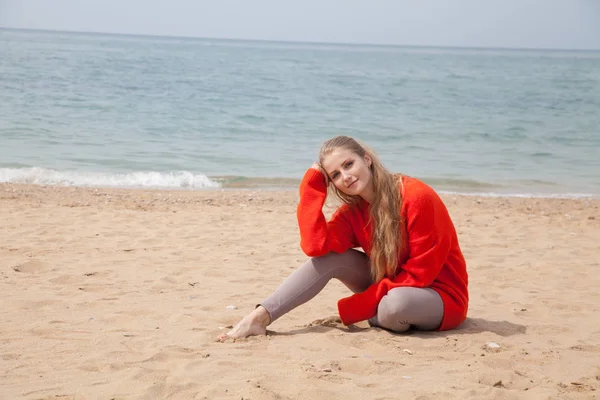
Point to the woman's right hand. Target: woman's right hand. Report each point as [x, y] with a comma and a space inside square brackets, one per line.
[317, 167]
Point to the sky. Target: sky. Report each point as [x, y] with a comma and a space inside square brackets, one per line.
[553, 24]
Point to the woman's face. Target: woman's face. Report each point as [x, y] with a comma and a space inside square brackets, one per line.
[349, 172]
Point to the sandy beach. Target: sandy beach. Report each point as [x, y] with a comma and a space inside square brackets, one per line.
[120, 294]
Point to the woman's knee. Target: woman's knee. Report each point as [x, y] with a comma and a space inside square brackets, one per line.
[351, 259]
[406, 306]
[393, 311]
[350, 256]
[350, 267]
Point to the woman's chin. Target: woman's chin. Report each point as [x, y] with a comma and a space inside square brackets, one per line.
[352, 191]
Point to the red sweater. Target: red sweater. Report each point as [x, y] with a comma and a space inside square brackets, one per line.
[432, 258]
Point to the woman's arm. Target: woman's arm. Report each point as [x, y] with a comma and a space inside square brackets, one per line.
[317, 236]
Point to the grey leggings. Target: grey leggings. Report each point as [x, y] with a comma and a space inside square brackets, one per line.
[401, 308]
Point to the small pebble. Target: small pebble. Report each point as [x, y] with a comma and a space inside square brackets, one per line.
[407, 351]
[231, 307]
[492, 347]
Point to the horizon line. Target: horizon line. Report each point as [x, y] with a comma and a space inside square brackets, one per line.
[292, 42]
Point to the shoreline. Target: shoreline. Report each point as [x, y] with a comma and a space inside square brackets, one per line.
[288, 188]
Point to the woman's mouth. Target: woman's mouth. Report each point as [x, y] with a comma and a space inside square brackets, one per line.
[352, 184]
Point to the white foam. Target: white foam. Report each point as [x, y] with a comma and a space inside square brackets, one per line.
[142, 179]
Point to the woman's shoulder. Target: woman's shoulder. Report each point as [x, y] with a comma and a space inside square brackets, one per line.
[414, 184]
[415, 192]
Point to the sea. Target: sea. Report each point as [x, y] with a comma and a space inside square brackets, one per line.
[105, 110]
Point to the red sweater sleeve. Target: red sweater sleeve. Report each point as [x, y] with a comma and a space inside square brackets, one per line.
[317, 236]
[430, 231]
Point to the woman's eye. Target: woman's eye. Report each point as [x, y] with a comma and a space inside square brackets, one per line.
[334, 175]
[349, 164]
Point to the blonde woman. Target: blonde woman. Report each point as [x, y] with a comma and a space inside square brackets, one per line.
[411, 272]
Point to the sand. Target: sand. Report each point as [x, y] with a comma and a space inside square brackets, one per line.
[120, 294]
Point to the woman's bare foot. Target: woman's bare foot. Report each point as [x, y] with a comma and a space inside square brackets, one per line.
[253, 324]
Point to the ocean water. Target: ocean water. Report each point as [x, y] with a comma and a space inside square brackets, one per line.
[186, 113]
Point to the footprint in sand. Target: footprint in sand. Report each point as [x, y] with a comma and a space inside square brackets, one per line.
[30, 267]
[333, 321]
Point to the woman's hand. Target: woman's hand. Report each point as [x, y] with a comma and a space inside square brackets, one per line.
[317, 167]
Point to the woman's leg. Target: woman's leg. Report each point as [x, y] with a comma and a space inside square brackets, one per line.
[404, 307]
[350, 267]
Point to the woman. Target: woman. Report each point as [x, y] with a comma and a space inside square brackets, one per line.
[412, 273]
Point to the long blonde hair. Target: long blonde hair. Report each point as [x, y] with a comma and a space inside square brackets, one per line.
[386, 222]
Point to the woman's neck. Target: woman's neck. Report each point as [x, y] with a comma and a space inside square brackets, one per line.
[368, 194]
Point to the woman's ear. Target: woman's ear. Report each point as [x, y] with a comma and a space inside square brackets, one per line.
[368, 160]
